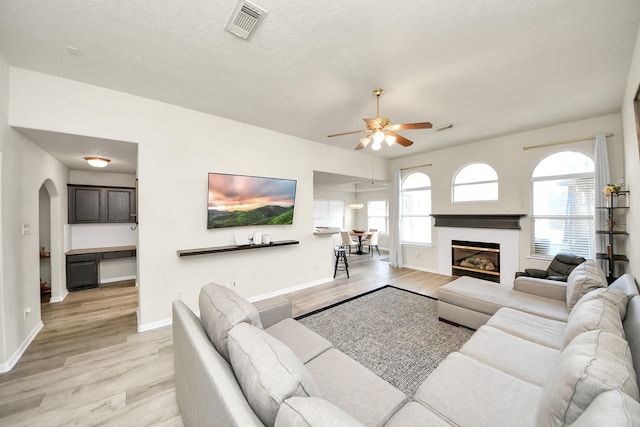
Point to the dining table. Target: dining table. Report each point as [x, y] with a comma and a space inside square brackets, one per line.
[360, 234]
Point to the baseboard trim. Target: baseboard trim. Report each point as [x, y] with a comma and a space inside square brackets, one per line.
[427, 270]
[291, 289]
[118, 279]
[144, 327]
[59, 298]
[15, 358]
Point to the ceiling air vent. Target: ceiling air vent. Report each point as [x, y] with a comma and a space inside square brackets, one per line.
[244, 19]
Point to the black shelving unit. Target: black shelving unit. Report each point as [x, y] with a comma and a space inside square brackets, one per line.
[611, 255]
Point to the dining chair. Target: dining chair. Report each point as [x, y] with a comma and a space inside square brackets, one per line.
[347, 240]
[373, 242]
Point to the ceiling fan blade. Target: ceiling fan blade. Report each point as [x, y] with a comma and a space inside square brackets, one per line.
[401, 139]
[363, 142]
[348, 133]
[408, 126]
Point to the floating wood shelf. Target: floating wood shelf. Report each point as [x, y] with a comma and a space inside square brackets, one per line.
[233, 248]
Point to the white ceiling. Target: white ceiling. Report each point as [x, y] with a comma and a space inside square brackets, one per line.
[490, 67]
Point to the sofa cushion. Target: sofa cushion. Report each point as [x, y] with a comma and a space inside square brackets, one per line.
[305, 343]
[417, 414]
[354, 388]
[611, 408]
[220, 310]
[312, 412]
[594, 362]
[513, 355]
[528, 326]
[470, 393]
[591, 315]
[584, 278]
[267, 370]
[488, 297]
[617, 297]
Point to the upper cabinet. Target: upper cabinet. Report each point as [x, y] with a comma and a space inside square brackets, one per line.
[92, 205]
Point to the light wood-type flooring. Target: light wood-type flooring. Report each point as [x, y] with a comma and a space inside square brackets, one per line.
[89, 365]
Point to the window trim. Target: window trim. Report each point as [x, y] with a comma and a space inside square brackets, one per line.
[386, 216]
[428, 217]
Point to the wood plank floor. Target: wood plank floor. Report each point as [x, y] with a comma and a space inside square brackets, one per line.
[89, 366]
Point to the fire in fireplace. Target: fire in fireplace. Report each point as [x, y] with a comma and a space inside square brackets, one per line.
[476, 259]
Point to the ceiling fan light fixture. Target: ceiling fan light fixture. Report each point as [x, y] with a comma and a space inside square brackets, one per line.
[97, 162]
[376, 145]
[378, 137]
[390, 139]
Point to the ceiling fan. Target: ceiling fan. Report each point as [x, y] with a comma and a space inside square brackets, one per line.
[380, 129]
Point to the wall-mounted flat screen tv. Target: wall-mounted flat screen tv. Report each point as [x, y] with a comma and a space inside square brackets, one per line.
[241, 200]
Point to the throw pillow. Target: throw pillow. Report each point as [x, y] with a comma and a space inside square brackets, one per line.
[584, 278]
[313, 412]
[267, 370]
[616, 297]
[220, 310]
[591, 315]
[593, 363]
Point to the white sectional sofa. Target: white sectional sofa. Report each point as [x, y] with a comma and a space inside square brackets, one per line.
[241, 365]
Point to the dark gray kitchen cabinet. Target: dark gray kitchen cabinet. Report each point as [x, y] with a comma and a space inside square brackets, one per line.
[82, 271]
[94, 204]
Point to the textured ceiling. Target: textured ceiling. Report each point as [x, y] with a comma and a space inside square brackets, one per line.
[490, 67]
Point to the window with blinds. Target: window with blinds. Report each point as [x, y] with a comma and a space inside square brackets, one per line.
[475, 182]
[378, 215]
[416, 209]
[563, 205]
[328, 213]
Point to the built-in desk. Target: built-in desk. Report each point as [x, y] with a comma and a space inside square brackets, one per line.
[82, 264]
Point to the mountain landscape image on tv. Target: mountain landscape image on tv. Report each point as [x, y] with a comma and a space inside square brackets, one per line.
[242, 200]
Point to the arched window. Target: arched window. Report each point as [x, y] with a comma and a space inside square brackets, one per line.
[475, 182]
[416, 208]
[563, 205]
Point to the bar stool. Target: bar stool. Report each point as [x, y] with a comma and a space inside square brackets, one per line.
[341, 260]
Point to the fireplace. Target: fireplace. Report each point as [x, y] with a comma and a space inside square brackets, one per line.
[475, 259]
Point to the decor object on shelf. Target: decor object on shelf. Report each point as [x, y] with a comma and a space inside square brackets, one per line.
[97, 162]
[242, 200]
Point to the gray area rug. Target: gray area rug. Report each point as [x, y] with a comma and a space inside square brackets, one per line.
[394, 333]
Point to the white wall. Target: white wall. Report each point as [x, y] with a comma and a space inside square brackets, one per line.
[82, 177]
[25, 167]
[632, 161]
[177, 147]
[514, 167]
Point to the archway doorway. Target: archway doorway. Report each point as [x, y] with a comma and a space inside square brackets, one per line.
[52, 280]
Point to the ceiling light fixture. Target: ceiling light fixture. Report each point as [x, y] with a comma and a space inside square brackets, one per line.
[97, 162]
[390, 139]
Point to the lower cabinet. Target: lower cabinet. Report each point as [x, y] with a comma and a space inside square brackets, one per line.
[82, 271]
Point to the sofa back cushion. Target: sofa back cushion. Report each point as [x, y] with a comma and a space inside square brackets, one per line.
[313, 412]
[611, 408]
[584, 278]
[631, 327]
[593, 363]
[267, 370]
[220, 310]
[616, 297]
[591, 315]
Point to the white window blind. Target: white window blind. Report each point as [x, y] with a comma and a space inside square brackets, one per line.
[328, 213]
[475, 182]
[378, 215]
[563, 205]
[416, 209]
